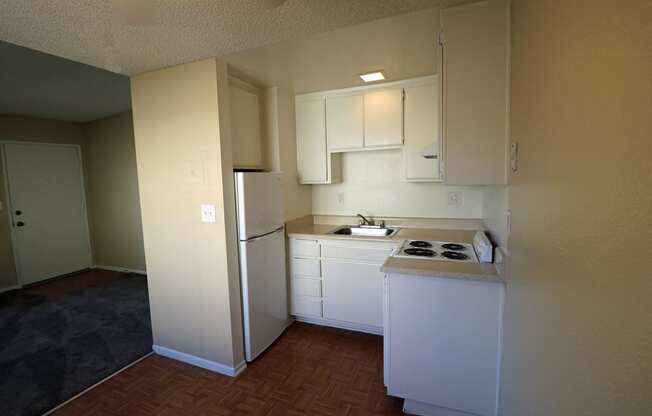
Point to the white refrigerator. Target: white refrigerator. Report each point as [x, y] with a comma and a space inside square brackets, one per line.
[259, 207]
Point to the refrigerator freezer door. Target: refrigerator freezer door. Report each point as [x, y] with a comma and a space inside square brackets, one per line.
[264, 291]
[259, 199]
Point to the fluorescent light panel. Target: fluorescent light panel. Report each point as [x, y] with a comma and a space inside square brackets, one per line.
[373, 76]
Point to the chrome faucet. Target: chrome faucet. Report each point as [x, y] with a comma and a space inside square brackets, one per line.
[365, 221]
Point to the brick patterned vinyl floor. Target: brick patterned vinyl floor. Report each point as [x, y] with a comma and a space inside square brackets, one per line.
[310, 370]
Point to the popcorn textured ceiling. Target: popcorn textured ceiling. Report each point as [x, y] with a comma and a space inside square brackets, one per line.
[130, 39]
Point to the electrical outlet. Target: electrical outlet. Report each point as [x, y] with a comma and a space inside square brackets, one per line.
[455, 198]
[208, 213]
[340, 198]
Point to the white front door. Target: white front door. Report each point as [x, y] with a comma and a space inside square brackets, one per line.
[48, 210]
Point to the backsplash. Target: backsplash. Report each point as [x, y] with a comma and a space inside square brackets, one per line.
[373, 184]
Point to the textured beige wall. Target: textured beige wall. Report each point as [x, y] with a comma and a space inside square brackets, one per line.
[578, 317]
[183, 149]
[15, 128]
[113, 199]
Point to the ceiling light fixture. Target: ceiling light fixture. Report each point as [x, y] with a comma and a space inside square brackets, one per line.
[373, 76]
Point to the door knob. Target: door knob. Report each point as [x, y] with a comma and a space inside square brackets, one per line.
[20, 224]
[19, 212]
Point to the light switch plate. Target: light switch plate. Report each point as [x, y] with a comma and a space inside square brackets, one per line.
[513, 157]
[509, 221]
[208, 213]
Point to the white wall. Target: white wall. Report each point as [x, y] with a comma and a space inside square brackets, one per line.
[281, 150]
[112, 181]
[183, 149]
[495, 204]
[372, 184]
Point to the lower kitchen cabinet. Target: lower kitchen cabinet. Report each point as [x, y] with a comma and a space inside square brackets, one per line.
[353, 292]
[442, 344]
[305, 281]
[338, 282]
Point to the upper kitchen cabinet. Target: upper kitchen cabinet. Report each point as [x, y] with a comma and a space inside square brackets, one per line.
[383, 118]
[399, 114]
[475, 52]
[421, 145]
[344, 122]
[314, 162]
[245, 125]
[364, 118]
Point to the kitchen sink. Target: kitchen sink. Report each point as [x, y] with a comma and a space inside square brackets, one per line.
[368, 231]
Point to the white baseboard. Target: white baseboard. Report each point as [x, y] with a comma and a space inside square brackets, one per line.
[200, 362]
[341, 325]
[10, 288]
[119, 269]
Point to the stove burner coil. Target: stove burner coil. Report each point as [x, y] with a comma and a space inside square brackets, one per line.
[453, 246]
[420, 244]
[454, 255]
[421, 252]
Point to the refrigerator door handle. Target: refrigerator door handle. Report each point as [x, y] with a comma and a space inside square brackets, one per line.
[258, 237]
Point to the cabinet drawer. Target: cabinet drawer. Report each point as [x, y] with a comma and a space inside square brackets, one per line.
[371, 253]
[306, 306]
[306, 287]
[304, 248]
[306, 267]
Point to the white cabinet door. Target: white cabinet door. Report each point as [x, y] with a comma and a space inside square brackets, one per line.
[344, 122]
[421, 131]
[353, 292]
[312, 155]
[476, 56]
[383, 118]
[443, 342]
[245, 128]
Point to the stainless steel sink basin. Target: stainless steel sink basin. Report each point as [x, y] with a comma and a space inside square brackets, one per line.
[365, 231]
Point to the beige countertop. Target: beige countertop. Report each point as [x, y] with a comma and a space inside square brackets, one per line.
[434, 268]
[324, 230]
[420, 267]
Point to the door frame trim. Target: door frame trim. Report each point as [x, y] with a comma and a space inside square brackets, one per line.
[9, 205]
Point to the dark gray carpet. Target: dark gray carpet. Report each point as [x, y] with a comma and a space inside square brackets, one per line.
[51, 349]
